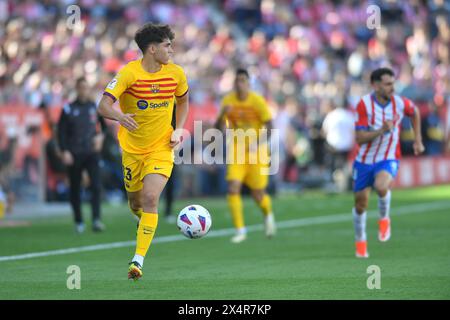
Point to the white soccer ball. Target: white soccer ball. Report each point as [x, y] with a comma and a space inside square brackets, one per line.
[194, 221]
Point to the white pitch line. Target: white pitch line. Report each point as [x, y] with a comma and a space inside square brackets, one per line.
[403, 210]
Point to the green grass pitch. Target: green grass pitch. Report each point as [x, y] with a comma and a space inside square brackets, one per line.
[312, 256]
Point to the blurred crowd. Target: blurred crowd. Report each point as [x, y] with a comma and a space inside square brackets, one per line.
[306, 57]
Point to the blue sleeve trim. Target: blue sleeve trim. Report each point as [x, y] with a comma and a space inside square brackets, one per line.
[110, 95]
[183, 94]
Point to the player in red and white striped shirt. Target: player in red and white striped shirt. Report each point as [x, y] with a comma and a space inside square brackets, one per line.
[378, 133]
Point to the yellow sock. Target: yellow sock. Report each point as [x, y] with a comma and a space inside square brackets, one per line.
[2, 210]
[266, 204]
[146, 230]
[235, 203]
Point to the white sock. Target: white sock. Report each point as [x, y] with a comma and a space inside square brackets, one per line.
[242, 230]
[384, 205]
[139, 259]
[270, 218]
[359, 222]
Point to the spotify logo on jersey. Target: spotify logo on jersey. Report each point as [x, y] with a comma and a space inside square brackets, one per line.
[142, 104]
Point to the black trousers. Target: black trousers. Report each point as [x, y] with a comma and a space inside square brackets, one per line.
[90, 162]
[336, 159]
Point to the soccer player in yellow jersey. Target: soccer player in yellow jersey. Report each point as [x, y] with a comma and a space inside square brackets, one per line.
[244, 109]
[147, 89]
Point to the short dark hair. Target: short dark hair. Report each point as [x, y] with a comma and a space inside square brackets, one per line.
[377, 74]
[79, 81]
[152, 33]
[242, 71]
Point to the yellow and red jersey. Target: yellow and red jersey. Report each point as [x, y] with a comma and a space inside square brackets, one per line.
[151, 97]
[251, 113]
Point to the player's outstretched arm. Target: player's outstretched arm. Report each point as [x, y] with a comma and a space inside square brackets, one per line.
[220, 119]
[182, 110]
[368, 136]
[418, 146]
[268, 126]
[106, 110]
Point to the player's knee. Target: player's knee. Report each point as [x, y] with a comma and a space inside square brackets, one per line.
[361, 204]
[150, 200]
[382, 192]
[381, 189]
[258, 195]
[135, 205]
[234, 188]
[382, 185]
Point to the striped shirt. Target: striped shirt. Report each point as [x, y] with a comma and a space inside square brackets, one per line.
[371, 115]
[151, 97]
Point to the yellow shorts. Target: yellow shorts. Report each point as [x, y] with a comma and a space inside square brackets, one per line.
[251, 169]
[2, 209]
[137, 166]
[250, 174]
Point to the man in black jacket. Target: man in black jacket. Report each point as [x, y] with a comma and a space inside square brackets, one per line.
[80, 145]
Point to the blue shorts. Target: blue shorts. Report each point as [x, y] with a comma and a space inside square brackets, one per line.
[364, 174]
